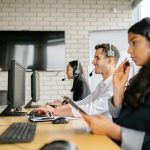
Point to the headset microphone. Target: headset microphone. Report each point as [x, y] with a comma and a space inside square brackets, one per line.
[91, 73]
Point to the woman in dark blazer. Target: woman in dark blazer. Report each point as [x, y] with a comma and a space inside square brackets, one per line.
[130, 109]
[80, 88]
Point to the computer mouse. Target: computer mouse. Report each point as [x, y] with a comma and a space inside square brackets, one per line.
[59, 145]
[60, 120]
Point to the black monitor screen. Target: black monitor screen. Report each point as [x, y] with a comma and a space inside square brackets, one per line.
[16, 85]
[35, 90]
[34, 50]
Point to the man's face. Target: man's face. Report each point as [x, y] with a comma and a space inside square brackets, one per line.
[100, 61]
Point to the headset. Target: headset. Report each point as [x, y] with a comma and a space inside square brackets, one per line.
[110, 52]
[76, 71]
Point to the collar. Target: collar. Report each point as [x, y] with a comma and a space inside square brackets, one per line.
[108, 80]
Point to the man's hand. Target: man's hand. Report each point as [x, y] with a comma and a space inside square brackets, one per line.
[44, 109]
[56, 102]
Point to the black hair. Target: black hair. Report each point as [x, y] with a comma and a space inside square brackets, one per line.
[138, 89]
[106, 47]
[142, 27]
[139, 86]
[76, 65]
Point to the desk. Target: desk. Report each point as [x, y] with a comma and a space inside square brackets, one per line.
[75, 131]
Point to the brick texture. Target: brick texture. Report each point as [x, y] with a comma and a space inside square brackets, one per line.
[76, 17]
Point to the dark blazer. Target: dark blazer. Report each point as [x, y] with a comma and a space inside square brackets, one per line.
[80, 88]
[137, 119]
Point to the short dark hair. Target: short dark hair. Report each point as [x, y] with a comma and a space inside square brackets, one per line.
[142, 27]
[106, 47]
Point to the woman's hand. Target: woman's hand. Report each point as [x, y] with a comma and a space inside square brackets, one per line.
[101, 125]
[120, 78]
[120, 75]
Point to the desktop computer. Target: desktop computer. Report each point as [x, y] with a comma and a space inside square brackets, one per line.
[16, 89]
[17, 131]
[35, 90]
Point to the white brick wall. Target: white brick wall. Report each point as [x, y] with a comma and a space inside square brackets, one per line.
[75, 17]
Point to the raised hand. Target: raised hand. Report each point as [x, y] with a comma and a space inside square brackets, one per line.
[120, 78]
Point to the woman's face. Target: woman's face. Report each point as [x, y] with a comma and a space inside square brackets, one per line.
[139, 49]
[69, 71]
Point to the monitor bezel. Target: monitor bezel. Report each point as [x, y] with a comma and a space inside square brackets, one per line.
[12, 77]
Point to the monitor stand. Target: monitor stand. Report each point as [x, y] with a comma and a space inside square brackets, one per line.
[8, 112]
[14, 113]
[29, 105]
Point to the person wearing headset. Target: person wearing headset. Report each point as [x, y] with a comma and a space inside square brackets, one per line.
[105, 60]
[130, 106]
[80, 87]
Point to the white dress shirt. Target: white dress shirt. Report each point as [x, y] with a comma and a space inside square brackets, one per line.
[97, 102]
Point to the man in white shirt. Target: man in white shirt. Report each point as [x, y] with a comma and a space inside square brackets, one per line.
[105, 60]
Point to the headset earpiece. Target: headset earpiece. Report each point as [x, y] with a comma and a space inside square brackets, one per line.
[77, 70]
[110, 52]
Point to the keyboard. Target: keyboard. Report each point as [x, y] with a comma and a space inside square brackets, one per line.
[18, 132]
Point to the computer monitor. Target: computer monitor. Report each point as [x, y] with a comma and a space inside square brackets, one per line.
[16, 89]
[35, 90]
